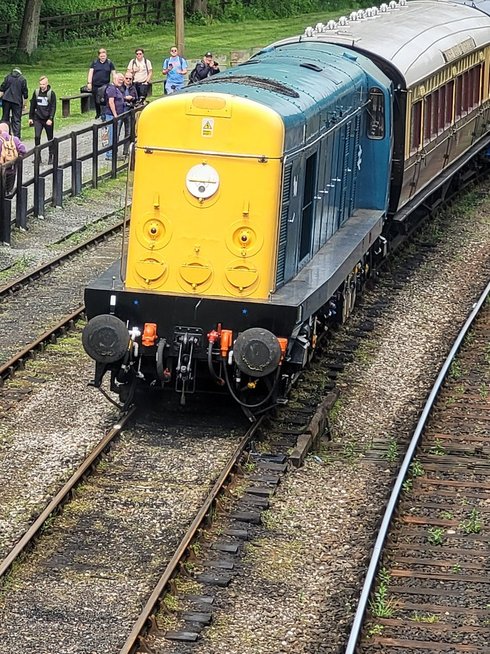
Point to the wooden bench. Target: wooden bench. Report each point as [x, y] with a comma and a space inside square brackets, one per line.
[86, 103]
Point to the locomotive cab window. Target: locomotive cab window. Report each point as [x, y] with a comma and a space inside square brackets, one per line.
[376, 112]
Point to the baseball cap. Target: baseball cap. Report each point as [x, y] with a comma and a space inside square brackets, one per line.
[208, 54]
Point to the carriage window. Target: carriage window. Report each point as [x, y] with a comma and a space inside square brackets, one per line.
[428, 117]
[459, 97]
[376, 113]
[475, 84]
[449, 102]
[441, 118]
[415, 126]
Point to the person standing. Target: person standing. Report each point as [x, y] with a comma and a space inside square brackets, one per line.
[9, 164]
[41, 113]
[130, 100]
[99, 74]
[204, 69]
[115, 106]
[14, 97]
[174, 67]
[141, 70]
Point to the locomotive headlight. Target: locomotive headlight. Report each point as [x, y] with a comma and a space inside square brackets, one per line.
[202, 181]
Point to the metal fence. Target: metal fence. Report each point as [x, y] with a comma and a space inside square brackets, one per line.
[27, 186]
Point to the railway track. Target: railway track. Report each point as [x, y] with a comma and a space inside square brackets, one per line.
[16, 284]
[51, 297]
[427, 582]
[122, 522]
[293, 422]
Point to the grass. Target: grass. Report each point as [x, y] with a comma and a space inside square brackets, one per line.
[66, 64]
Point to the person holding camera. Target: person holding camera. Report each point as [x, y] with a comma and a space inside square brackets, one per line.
[204, 69]
[174, 67]
[141, 69]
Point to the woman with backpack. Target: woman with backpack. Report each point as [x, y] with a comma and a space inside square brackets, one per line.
[99, 74]
[11, 148]
[141, 70]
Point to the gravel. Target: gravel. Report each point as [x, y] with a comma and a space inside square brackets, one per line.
[300, 578]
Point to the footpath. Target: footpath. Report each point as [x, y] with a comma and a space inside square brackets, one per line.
[35, 246]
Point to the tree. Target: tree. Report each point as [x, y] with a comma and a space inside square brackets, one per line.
[200, 7]
[30, 29]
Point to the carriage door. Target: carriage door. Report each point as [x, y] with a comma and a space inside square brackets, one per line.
[308, 209]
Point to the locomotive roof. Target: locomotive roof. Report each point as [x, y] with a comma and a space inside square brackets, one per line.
[298, 80]
[416, 39]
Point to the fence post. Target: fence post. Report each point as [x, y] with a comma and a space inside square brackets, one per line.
[21, 213]
[57, 200]
[78, 177]
[39, 186]
[21, 208]
[58, 186]
[74, 160]
[95, 154]
[5, 212]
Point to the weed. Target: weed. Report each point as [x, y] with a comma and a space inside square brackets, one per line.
[431, 618]
[435, 535]
[416, 468]
[407, 486]
[171, 602]
[375, 630]
[333, 414]
[438, 448]
[446, 515]
[456, 567]
[382, 606]
[195, 548]
[483, 390]
[349, 450]
[16, 269]
[392, 453]
[455, 371]
[473, 525]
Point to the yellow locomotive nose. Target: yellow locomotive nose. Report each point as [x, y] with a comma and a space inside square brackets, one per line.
[202, 233]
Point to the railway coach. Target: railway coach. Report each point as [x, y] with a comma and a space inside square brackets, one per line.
[264, 197]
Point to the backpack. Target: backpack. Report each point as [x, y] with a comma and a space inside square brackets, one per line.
[132, 63]
[8, 151]
[100, 97]
[48, 94]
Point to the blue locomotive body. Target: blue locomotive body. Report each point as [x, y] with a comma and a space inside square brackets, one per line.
[303, 164]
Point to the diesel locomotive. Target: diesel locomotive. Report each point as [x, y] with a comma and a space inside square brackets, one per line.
[264, 197]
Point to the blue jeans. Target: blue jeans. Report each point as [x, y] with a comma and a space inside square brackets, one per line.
[110, 128]
[171, 87]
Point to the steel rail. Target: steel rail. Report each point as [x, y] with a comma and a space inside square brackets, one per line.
[62, 495]
[19, 282]
[132, 640]
[397, 488]
[15, 362]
